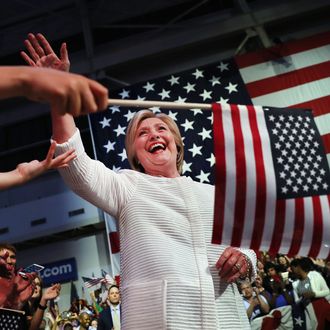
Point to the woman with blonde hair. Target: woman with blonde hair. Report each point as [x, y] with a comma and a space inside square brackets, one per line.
[172, 276]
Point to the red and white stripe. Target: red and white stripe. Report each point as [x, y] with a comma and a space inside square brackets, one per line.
[247, 212]
[114, 244]
[294, 74]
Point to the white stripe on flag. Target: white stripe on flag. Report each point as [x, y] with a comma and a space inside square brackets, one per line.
[295, 95]
[308, 227]
[323, 123]
[271, 195]
[288, 225]
[230, 177]
[250, 208]
[297, 61]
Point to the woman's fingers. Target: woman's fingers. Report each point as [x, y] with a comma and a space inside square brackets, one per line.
[27, 59]
[45, 44]
[33, 54]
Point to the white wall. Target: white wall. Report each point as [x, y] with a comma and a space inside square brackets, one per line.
[91, 254]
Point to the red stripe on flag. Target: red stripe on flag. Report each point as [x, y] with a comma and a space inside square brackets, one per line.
[320, 106]
[260, 180]
[278, 227]
[240, 198]
[289, 79]
[326, 142]
[220, 164]
[317, 228]
[114, 241]
[298, 230]
[279, 51]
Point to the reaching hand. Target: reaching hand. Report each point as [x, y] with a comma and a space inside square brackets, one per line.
[43, 55]
[34, 168]
[52, 292]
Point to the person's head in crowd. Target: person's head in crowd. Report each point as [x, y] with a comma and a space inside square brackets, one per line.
[93, 325]
[33, 302]
[266, 257]
[260, 266]
[9, 251]
[84, 320]
[37, 288]
[270, 269]
[258, 281]
[114, 295]
[282, 262]
[300, 267]
[67, 325]
[246, 289]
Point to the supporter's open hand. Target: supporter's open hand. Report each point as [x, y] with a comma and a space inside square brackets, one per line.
[28, 171]
[232, 265]
[52, 292]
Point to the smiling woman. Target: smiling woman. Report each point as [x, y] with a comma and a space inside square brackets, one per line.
[172, 276]
[152, 140]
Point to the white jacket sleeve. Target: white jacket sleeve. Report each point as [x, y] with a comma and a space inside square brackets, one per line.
[93, 181]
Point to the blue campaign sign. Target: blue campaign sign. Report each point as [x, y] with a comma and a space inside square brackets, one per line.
[59, 272]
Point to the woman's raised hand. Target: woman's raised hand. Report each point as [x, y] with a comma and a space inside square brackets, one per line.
[41, 54]
[66, 93]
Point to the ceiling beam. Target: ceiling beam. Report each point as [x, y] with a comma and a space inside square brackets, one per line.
[194, 32]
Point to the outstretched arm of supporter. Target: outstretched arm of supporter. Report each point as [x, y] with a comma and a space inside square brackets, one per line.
[262, 301]
[50, 293]
[65, 92]
[27, 171]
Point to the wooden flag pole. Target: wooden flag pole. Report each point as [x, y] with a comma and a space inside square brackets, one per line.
[160, 104]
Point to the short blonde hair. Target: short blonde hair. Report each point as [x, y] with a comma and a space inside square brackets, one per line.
[131, 133]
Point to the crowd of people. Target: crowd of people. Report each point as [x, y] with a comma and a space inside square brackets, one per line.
[20, 291]
[283, 281]
[166, 223]
[97, 314]
[279, 282]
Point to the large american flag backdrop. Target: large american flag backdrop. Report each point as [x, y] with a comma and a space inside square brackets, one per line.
[289, 75]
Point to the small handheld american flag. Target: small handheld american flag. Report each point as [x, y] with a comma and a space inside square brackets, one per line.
[11, 319]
